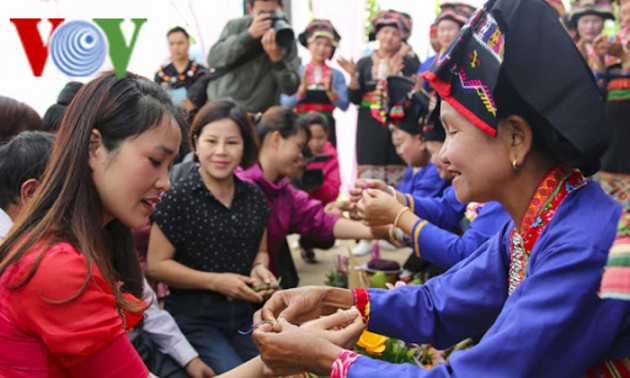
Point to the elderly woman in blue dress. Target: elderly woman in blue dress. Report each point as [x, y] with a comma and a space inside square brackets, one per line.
[514, 134]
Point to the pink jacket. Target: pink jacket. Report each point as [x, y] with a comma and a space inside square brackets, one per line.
[292, 211]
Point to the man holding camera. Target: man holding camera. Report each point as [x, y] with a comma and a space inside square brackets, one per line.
[257, 57]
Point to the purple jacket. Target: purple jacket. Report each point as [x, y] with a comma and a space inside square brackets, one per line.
[292, 211]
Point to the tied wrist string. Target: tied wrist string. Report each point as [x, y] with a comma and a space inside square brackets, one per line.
[254, 326]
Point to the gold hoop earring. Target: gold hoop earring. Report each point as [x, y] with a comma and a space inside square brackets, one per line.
[514, 165]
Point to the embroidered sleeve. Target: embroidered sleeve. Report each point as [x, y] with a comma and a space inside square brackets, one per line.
[362, 303]
[342, 364]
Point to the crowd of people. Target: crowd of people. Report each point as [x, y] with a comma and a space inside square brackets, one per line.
[144, 223]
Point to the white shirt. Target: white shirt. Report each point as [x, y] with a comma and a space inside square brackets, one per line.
[5, 224]
[161, 328]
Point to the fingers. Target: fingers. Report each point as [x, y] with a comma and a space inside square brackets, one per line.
[371, 193]
[339, 319]
[266, 40]
[245, 279]
[258, 317]
[249, 295]
[268, 312]
[348, 65]
[260, 25]
[243, 291]
[348, 336]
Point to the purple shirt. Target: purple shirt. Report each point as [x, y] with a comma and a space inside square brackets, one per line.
[291, 211]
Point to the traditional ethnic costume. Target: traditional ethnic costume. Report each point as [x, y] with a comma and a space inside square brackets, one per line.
[614, 83]
[316, 97]
[531, 294]
[376, 156]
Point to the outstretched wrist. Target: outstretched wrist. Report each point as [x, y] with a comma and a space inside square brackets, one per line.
[336, 298]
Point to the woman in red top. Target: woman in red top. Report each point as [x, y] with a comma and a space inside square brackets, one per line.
[69, 277]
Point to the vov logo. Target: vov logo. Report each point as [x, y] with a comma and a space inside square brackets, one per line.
[77, 48]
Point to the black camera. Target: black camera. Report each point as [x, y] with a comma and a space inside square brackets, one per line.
[284, 33]
[311, 179]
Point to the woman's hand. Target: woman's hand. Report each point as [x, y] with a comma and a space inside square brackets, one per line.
[236, 286]
[395, 65]
[356, 192]
[302, 304]
[404, 49]
[348, 65]
[342, 328]
[262, 276]
[311, 347]
[303, 83]
[378, 208]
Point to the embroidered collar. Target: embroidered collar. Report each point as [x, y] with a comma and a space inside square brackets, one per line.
[553, 189]
[317, 76]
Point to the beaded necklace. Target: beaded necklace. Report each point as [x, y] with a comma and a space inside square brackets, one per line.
[189, 72]
[553, 189]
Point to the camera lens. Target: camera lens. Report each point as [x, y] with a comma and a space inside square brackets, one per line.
[284, 33]
[284, 37]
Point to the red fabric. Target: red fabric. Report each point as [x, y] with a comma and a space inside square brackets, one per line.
[329, 191]
[362, 303]
[310, 107]
[342, 363]
[39, 338]
[445, 89]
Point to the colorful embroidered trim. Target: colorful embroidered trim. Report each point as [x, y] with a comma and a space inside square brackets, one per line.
[366, 100]
[409, 202]
[415, 232]
[618, 95]
[616, 185]
[342, 363]
[362, 303]
[616, 280]
[553, 189]
[618, 84]
[316, 76]
[610, 369]
[380, 102]
[305, 107]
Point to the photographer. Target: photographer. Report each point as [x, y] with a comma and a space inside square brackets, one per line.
[255, 67]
